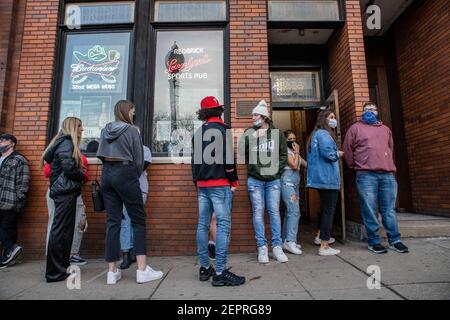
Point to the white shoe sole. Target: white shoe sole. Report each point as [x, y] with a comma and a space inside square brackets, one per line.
[153, 278]
[329, 253]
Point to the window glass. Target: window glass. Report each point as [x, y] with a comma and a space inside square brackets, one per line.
[301, 86]
[303, 10]
[94, 79]
[99, 13]
[189, 66]
[189, 11]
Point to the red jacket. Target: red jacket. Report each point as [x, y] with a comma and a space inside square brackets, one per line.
[85, 165]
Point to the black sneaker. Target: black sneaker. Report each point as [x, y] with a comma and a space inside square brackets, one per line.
[12, 254]
[77, 260]
[378, 248]
[227, 279]
[2, 264]
[205, 274]
[212, 251]
[399, 247]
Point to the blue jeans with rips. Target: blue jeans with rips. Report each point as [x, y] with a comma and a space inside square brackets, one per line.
[260, 193]
[378, 190]
[216, 200]
[290, 192]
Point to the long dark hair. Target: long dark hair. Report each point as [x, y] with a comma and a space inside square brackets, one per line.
[122, 111]
[322, 123]
[204, 114]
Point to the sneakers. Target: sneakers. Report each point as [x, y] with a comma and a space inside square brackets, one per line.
[148, 275]
[263, 255]
[399, 247]
[378, 248]
[328, 252]
[279, 254]
[205, 274]
[3, 265]
[77, 260]
[318, 241]
[11, 255]
[113, 277]
[212, 251]
[227, 279]
[292, 247]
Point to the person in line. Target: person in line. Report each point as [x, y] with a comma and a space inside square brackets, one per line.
[369, 148]
[126, 230]
[265, 150]
[81, 224]
[67, 173]
[323, 174]
[212, 238]
[121, 152]
[215, 176]
[290, 192]
[14, 184]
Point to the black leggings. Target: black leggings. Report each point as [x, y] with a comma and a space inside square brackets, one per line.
[328, 201]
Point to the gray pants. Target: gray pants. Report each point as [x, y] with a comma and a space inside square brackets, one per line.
[78, 234]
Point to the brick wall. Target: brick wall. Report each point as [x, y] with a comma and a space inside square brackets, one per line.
[348, 75]
[6, 14]
[423, 59]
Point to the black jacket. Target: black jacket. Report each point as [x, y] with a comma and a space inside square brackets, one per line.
[224, 165]
[60, 158]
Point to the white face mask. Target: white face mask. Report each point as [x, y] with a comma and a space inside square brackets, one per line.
[258, 123]
[332, 123]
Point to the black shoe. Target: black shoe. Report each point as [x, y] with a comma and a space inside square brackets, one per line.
[205, 274]
[2, 264]
[378, 248]
[212, 251]
[399, 247]
[126, 261]
[132, 256]
[12, 254]
[227, 279]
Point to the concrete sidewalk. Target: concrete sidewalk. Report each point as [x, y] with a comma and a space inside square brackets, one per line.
[423, 273]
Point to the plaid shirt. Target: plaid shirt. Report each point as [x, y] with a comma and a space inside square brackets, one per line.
[14, 182]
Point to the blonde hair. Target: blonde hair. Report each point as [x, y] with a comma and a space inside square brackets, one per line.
[69, 127]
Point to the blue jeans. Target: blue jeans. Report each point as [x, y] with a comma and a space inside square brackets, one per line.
[216, 200]
[290, 192]
[261, 192]
[126, 229]
[378, 189]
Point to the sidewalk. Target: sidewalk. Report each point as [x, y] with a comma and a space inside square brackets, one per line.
[423, 273]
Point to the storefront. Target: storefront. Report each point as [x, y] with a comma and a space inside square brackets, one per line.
[78, 58]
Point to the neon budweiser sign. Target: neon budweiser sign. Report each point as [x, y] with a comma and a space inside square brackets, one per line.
[96, 62]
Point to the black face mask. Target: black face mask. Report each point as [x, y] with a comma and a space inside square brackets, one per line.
[290, 144]
[134, 118]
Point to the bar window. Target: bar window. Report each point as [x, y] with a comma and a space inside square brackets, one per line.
[90, 13]
[189, 66]
[178, 11]
[95, 73]
[303, 10]
[298, 86]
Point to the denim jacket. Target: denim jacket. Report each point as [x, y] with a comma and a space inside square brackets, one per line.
[323, 162]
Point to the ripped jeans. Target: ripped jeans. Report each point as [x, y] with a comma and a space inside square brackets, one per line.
[290, 183]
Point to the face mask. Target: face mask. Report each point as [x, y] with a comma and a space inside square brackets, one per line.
[134, 118]
[258, 123]
[332, 123]
[290, 144]
[3, 149]
[370, 117]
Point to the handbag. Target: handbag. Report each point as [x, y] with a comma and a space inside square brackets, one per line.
[97, 197]
[64, 185]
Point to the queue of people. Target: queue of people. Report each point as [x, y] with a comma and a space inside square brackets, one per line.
[273, 160]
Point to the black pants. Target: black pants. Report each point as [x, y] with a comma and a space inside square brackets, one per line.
[61, 236]
[8, 228]
[328, 201]
[120, 186]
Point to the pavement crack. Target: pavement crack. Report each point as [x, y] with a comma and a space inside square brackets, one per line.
[298, 280]
[159, 284]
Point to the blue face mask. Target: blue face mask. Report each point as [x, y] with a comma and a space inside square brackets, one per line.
[369, 117]
[332, 123]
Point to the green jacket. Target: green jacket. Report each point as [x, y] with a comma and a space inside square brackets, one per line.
[265, 156]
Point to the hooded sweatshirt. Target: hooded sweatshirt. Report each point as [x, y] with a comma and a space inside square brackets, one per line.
[369, 147]
[121, 140]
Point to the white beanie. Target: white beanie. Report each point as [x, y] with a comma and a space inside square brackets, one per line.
[261, 109]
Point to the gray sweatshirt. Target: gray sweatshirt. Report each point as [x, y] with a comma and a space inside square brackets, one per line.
[121, 140]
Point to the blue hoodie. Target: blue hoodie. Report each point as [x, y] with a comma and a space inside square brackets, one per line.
[323, 162]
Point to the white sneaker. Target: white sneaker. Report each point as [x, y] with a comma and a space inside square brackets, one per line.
[328, 252]
[148, 275]
[279, 254]
[113, 277]
[263, 255]
[292, 247]
[318, 241]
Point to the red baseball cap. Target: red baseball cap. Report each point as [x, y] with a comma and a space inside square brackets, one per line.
[210, 102]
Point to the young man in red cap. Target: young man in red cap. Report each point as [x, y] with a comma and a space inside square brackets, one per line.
[14, 183]
[214, 173]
